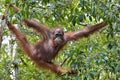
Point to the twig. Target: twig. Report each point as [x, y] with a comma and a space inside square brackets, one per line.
[85, 24]
[64, 61]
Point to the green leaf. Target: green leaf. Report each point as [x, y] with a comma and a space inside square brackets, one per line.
[74, 20]
[81, 17]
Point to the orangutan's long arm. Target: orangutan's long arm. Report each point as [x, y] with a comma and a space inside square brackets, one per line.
[84, 32]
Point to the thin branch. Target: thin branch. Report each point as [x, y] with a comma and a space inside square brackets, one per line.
[1, 33]
[64, 61]
[85, 24]
[3, 24]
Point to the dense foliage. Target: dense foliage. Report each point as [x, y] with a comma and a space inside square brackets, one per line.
[96, 57]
